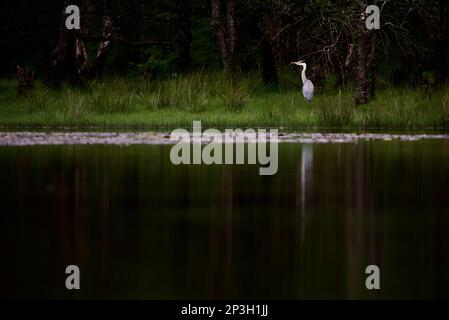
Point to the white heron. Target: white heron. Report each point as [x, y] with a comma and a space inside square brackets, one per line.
[307, 85]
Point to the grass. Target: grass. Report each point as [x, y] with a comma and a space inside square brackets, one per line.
[119, 103]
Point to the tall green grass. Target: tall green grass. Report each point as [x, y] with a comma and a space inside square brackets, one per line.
[335, 111]
[405, 109]
[217, 101]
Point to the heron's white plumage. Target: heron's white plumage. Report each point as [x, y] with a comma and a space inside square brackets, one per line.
[307, 90]
[307, 85]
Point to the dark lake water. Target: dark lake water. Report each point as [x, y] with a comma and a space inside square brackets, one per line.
[140, 227]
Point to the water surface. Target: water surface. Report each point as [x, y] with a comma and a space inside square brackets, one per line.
[140, 227]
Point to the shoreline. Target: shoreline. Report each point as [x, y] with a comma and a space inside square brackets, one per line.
[28, 138]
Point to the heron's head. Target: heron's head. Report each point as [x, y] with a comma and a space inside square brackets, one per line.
[299, 63]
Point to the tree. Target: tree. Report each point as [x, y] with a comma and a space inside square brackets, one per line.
[63, 59]
[70, 60]
[364, 59]
[225, 28]
[87, 68]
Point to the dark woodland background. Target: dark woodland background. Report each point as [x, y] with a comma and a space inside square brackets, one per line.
[159, 37]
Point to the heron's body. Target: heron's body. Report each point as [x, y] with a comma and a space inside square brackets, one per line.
[307, 85]
[307, 90]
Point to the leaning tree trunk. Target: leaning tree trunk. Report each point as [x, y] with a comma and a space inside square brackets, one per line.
[224, 24]
[362, 57]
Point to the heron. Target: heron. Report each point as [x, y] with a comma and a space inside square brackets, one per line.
[307, 85]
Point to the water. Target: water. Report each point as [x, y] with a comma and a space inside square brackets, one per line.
[140, 227]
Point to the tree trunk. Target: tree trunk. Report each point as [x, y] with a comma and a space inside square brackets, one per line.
[224, 24]
[371, 65]
[62, 65]
[362, 58]
[97, 65]
[70, 61]
[92, 69]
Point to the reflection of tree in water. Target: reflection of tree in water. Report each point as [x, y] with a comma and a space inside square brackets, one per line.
[221, 240]
[362, 234]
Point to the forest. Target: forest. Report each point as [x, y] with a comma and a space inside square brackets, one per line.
[164, 63]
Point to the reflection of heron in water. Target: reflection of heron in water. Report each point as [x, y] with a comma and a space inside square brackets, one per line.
[306, 169]
[306, 182]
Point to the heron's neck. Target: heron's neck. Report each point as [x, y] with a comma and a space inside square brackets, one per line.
[303, 73]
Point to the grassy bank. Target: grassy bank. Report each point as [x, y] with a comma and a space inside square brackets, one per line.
[132, 104]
